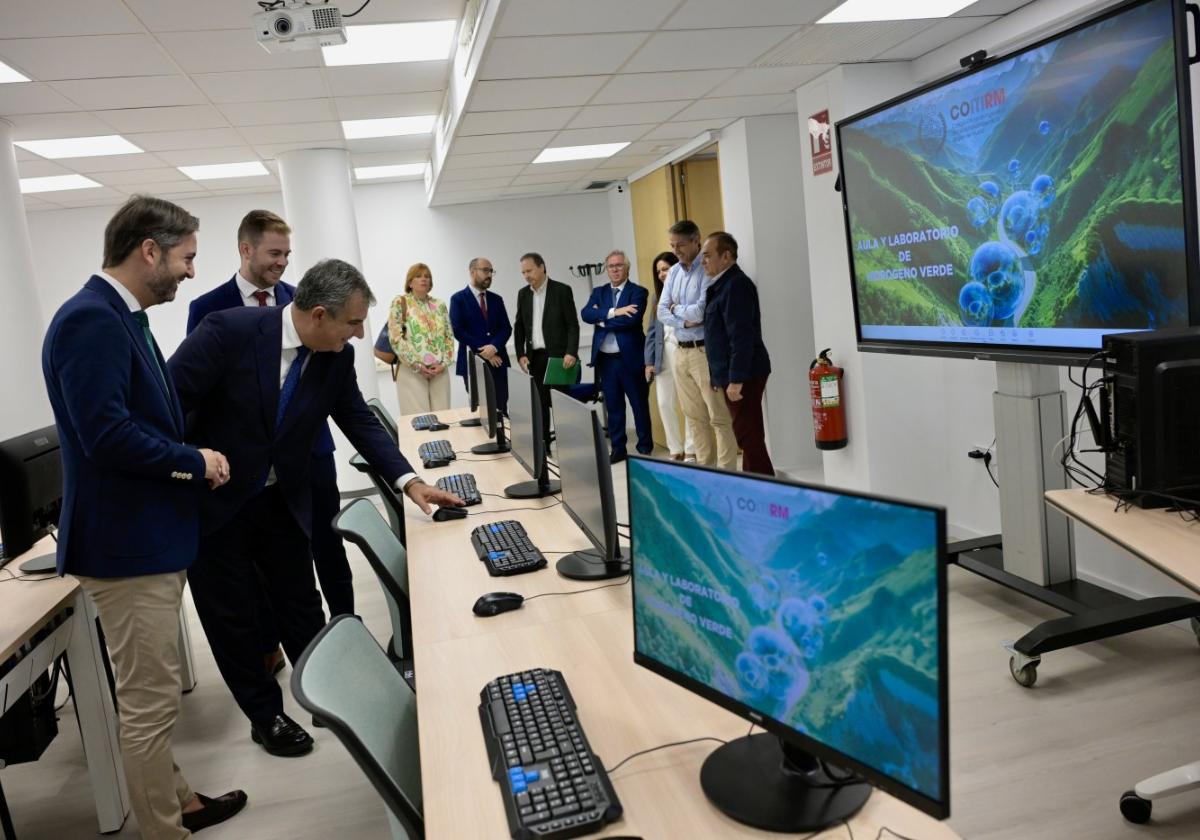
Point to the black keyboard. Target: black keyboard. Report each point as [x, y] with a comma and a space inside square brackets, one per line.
[428, 423]
[506, 548]
[463, 486]
[553, 784]
[436, 453]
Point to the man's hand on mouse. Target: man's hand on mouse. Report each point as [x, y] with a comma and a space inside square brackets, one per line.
[425, 496]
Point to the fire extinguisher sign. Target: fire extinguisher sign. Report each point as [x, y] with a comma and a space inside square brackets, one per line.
[830, 395]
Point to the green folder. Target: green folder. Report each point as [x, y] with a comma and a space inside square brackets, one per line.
[556, 374]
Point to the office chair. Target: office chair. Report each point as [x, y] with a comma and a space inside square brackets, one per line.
[346, 681]
[393, 503]
[360, 523]
[1135, 804]
[385, 417]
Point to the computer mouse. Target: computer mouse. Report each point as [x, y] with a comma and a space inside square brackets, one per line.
[433, 463]
[437, 427]
[445, 514]
[495, 603]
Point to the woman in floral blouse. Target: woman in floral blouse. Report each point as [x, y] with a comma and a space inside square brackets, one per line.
[419, 330]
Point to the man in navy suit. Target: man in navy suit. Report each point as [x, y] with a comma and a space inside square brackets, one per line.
[259, 384]
[618, 346]
[264, 245]
[131, 494]
[480, 322]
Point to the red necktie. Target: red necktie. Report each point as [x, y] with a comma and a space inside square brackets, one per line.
[483, 304]
[261, 297]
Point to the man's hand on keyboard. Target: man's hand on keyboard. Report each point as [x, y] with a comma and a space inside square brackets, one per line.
[426, 496]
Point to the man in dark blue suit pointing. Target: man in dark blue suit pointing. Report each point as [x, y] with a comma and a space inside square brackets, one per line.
[618, 346]
[259, 384]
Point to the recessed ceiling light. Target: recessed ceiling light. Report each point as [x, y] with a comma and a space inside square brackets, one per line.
[388, 43]
[7, 74]
[54, 183]
[224, 170]
[861, 11]
[73, 147]
[399, 170]
[561, 153]
[388, 126]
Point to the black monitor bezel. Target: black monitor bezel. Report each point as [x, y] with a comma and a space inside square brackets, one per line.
[487, 406]
[607, 546]
[939, 809]
[21, 528]
[1051, 355]
[472, 382]
[538, 468]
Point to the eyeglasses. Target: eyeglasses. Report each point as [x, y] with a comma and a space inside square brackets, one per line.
[486, 270]
[615, 266]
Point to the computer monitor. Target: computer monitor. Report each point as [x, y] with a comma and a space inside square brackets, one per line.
[489, 414]
[472, 390]
[587, 490]
[31, 489]
[817, 614]
[528, 440]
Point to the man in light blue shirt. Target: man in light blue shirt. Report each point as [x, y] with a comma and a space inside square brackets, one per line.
[682, 307]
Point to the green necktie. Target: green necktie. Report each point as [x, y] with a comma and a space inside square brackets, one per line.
[143, 319]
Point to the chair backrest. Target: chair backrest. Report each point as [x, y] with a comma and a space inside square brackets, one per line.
[346, 680]
[360, 523]
[385, 417]
[393, 502]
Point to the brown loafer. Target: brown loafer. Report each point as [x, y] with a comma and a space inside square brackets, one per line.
[215, 810]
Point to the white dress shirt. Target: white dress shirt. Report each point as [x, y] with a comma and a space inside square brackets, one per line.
[536, 340]
[126, 295]
[609, 345]
[248, 291]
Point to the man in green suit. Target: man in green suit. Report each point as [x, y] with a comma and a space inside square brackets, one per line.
[547, 326]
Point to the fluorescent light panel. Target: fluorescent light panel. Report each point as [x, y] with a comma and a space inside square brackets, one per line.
[561, 153]
[399, 170]
[388, 126]
[388, 43]
[862, 11]
[55, 183]
[74, 147]
[7, 75]
[207, 172]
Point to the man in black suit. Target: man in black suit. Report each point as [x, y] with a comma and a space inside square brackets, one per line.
[547, 327]
[263, 381]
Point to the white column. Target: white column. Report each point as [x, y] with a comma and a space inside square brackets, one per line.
[24, 407]
[320, 210]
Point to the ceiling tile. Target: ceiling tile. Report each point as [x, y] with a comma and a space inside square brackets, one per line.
[390, 144]
[142, 92]
[561, 167]
[569, 55]
[33, 98]
[203, 157]
[539, 177]
[513, 94]
[680, 130]
[41, 169]
[721, 14]
[992, 7]
[501, 142]
[33, 203]
[39, 19]
[276, 112]
[180, 15]
[293, 133]
[87, 57]
[598, 115]
[47, 126]
[114, 163]
[456, 162]
[554, 17]
[158, 188]
[942, 32]
[499, 122]
[388, 158]
[754, 81]
[134, 120]
[843, 43]
[260, 181]
[163, 141]
[376, 79]
[605, 134]
[262, 86]
[485, 184]
[705, 49]
[159, 175]
[451, 175]
[394, 105]
[402, 11]
[268, 151]
[215, 51]
[96, 195]
[739, 106]
[657, 87]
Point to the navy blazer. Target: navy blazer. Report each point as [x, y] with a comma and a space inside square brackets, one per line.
[131, 488]
[471, 330]
[631, 341]
[227, 374]
[229, 296]
[733, 330]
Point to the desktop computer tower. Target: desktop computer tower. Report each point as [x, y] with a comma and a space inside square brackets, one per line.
[1150, 416]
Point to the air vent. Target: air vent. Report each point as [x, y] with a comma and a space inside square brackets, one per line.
[599, 185]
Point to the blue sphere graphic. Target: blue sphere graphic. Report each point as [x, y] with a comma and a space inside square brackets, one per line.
[978, 212]
[990, 188]
[1020, 214]
[1044, 127]
[975, 304]
[751, 673]
[1043, 187]
[1014, 167]
[997, 266]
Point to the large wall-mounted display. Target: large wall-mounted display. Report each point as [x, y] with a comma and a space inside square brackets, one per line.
[1027, 207]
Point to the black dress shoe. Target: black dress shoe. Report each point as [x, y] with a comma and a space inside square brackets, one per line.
[617, 457]
[214, 810]
[283, 737]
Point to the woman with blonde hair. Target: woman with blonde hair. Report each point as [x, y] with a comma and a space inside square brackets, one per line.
[419, 331]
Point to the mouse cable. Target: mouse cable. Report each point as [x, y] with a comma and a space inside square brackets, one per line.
[578, 591]
[879, 835]
[619, 764]
[506, 510]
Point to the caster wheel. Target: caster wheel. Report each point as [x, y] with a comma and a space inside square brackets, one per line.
[1025, 676]
[1134, 808]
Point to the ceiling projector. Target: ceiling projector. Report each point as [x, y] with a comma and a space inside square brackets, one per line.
[295, 25]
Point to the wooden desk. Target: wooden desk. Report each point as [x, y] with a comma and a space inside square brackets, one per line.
[624, 708]
[26, 606]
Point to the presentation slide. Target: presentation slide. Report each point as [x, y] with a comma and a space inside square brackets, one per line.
[816, 609]
[1037, 202]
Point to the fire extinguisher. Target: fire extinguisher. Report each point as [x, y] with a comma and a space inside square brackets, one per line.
[829, 414]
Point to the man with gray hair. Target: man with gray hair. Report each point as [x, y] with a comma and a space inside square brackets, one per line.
[262, 381]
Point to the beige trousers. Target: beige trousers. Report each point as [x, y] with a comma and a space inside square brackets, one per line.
[419, 395]
[140, 617]
[705, 408]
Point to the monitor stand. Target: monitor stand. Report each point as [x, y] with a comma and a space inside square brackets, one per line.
[40, 565]
[490, 448]
[760, 781]
[532, 489]
[591, 565]
[471, 421]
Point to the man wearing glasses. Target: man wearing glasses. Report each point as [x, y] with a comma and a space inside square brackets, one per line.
[618, 343]
[479, 321]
